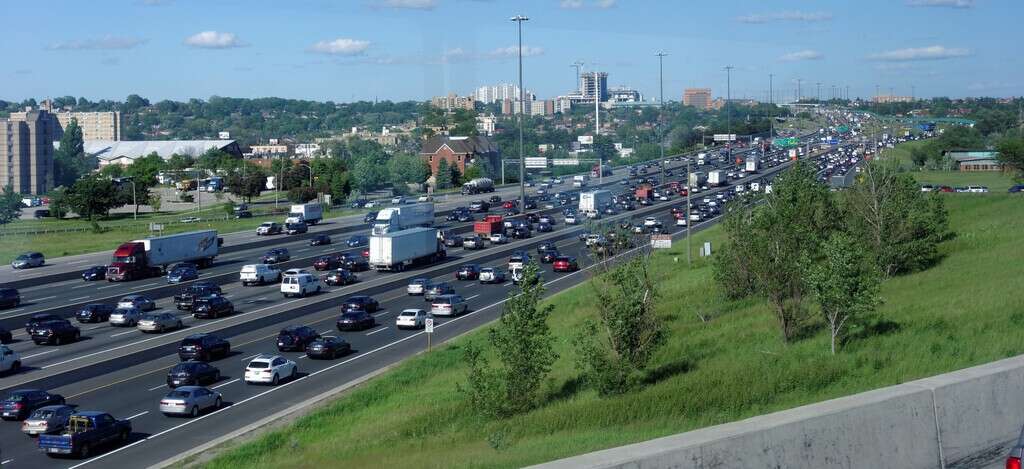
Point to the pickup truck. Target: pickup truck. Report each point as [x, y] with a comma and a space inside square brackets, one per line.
[85, 431]
[188, 296]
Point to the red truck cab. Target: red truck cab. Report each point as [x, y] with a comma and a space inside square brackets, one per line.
[128, 263]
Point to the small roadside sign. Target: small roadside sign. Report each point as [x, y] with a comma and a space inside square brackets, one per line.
[661, 241]
[429, 326]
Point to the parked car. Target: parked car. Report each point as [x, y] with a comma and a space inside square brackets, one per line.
[296, 228]
[355, 319]
[190, 400]
[47, 419]
[55, 332]
[468, 272]
[449, 305]
[417, 286]
[28, 260]
[411, 319]
[565, 264]
[491, 275]
[438, 289]
[340, 277]
[192, 373]
[141, 302]
[276, 256]
[96, 272]
[94, 312]
[295, 338]
[182, 275]
[270, 369]
[20, 403]
[320, 240]
[159, 322]
[203, 347]
[125, 317]
[329, 347]
[357, 240]
[363, 302]
[268, 228]
[213, 306]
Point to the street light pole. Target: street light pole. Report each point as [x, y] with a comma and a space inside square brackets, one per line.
[661, 128]
[522, 92]
[771, 104]
[728, 114]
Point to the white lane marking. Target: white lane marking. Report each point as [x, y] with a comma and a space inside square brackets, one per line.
[378, 330]
[149, 285]
[45, 298]
[78, 299]
[37, 354]
[158, 387]
[507, 284]
[328, 330]
[140, 414]
[225, 384]
[303, 356]
[250, 357]
[78, 262]
[381, 314]
[470, 298]
[6, 461]
[123, 333]
[106, 287]
[81, 286]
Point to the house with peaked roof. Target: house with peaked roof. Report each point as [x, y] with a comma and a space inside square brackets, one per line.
[460, 151]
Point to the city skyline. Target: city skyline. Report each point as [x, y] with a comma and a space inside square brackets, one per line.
[402, 50]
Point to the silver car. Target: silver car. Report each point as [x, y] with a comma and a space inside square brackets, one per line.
[28, 260]
[159, 322]
[417, 286]
[190, 400]
[137, 301]
[125, 316]
[49, 419]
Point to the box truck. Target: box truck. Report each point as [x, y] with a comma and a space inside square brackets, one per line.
[716, 178]
[644, 192]
[491, 224]
[400, 249]
[580, 180]
[697, 179]
[478, 185]
[311, 213]
[150, 257]
[404, 217]
[592, 203]
[752, 164]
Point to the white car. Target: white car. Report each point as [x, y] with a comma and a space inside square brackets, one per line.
[259, 274]
[125, 317]
[9, 360]
[411, 319]
[417, 287]
[571, 220]
[681, 221]
[499, 238]
[300, 284]
[491, 275]
[270, 369]
[651, 221]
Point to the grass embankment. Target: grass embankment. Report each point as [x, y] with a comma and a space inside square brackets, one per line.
[734, 366]
[995, 181]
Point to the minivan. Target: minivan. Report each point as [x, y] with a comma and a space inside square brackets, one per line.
[449, 305]
[301, 285]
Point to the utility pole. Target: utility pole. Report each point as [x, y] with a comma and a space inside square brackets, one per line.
[522, 95]
[689, 221]
[771, 106]
[661, 108]
[799, 92]
[728, 113]
[819, 92]
[597, 106]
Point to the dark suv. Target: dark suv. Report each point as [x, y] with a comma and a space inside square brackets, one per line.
[22, 402]
[363, 302]
[187, 297]
[275, 256]
[203, 347]
[55, 332]
[295, 338]
[213, 306]
[38, 319]
[95, 312]
[192, 373]
[354, 263]
[9, 298]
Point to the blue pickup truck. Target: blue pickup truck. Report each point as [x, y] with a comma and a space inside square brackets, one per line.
[85, 431]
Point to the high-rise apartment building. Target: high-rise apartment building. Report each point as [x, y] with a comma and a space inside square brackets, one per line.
[452, 102]
[496, 93]
[699, 98]
[26, 151]
[94, 125]
[594, 83]
[884, 99]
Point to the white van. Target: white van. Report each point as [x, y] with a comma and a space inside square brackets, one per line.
[259, 274]
[301, 285]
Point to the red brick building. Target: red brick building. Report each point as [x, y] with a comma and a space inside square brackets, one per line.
[460, 151]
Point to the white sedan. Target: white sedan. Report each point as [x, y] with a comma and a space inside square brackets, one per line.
[270, 369]
[411, 319]
[499, 238]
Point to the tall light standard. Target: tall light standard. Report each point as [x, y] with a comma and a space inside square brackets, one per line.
[522, 91]
[728, 114]
[771, 104]
[135, 202]
[661, 128]
[310, 168]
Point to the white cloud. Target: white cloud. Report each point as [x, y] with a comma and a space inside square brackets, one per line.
[341, 46]
[605, 3]
[571, 4]
[805, 17]
[942, 3]
[513, 51]
[213, 40]
[102, 43]
[802, 55]
[921, 53]
[580, 4]
[409, 4]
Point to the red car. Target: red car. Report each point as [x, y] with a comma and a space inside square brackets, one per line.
[327, 263]
[468, 272]
[565, 264]
[508, 204]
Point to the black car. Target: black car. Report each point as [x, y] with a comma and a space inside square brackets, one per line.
[549, 256]
[370, 217]
[203, 347]
[532, 217]
[213, 306]
[275, 256]
[468, 272]
[243, 214]
[464, 217]
[5, 336]
[192, 373]
[495, 199]
[296, 228]
[480, 206]
[354, 263]
[356, 241]
[96, 272]
[320, 240]
[328, 347]
[9, 298]
[355, 319]
[453, 241]
[455, 213]
[94, 312]
[363, 302]
[295, 338]
[188, 296]
[530, 204]
[340, 277]
[38, 319]
[521, 232]
[20, 403]
[545, 228]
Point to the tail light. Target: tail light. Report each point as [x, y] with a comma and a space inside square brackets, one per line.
[1013, 462]
[19, 405]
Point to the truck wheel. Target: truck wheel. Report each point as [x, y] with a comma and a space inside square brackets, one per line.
[124, 437]
[83, 452]
[78, 335]
[15, 366]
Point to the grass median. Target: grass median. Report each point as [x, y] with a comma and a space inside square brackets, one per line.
[724, 361]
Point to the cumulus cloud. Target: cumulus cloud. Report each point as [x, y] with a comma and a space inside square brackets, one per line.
[799, 16]
[341, 46]
[605, 3]
[513, 51]
[571, 4]
[101, 43]
[408, 4]
[213, 40]
[802, 55]
[579, 4]
[920, 53]
[942, 3]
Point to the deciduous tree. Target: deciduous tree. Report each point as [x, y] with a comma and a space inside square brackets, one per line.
[845, 285]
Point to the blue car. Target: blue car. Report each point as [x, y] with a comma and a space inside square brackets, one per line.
[98, 272]
[1016, 188]
[357, 240]
[182, 274]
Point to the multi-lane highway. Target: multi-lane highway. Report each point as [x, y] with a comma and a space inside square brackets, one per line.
[122, 371]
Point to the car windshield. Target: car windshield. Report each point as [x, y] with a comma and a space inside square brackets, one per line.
[23, 257]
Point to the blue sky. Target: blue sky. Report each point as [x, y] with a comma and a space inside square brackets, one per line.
[411, 49]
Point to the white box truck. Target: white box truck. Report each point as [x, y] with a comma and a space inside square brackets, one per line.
[752, 164]
[593, 202]
[150, 257]
[404, 217]
[697, 179]
[580, 180]
[400, 249]
[716, 178]
[311, 213]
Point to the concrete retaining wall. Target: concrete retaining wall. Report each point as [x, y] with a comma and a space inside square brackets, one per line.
[965, 418]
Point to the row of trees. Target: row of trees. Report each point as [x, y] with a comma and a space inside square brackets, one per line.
[806, 242]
